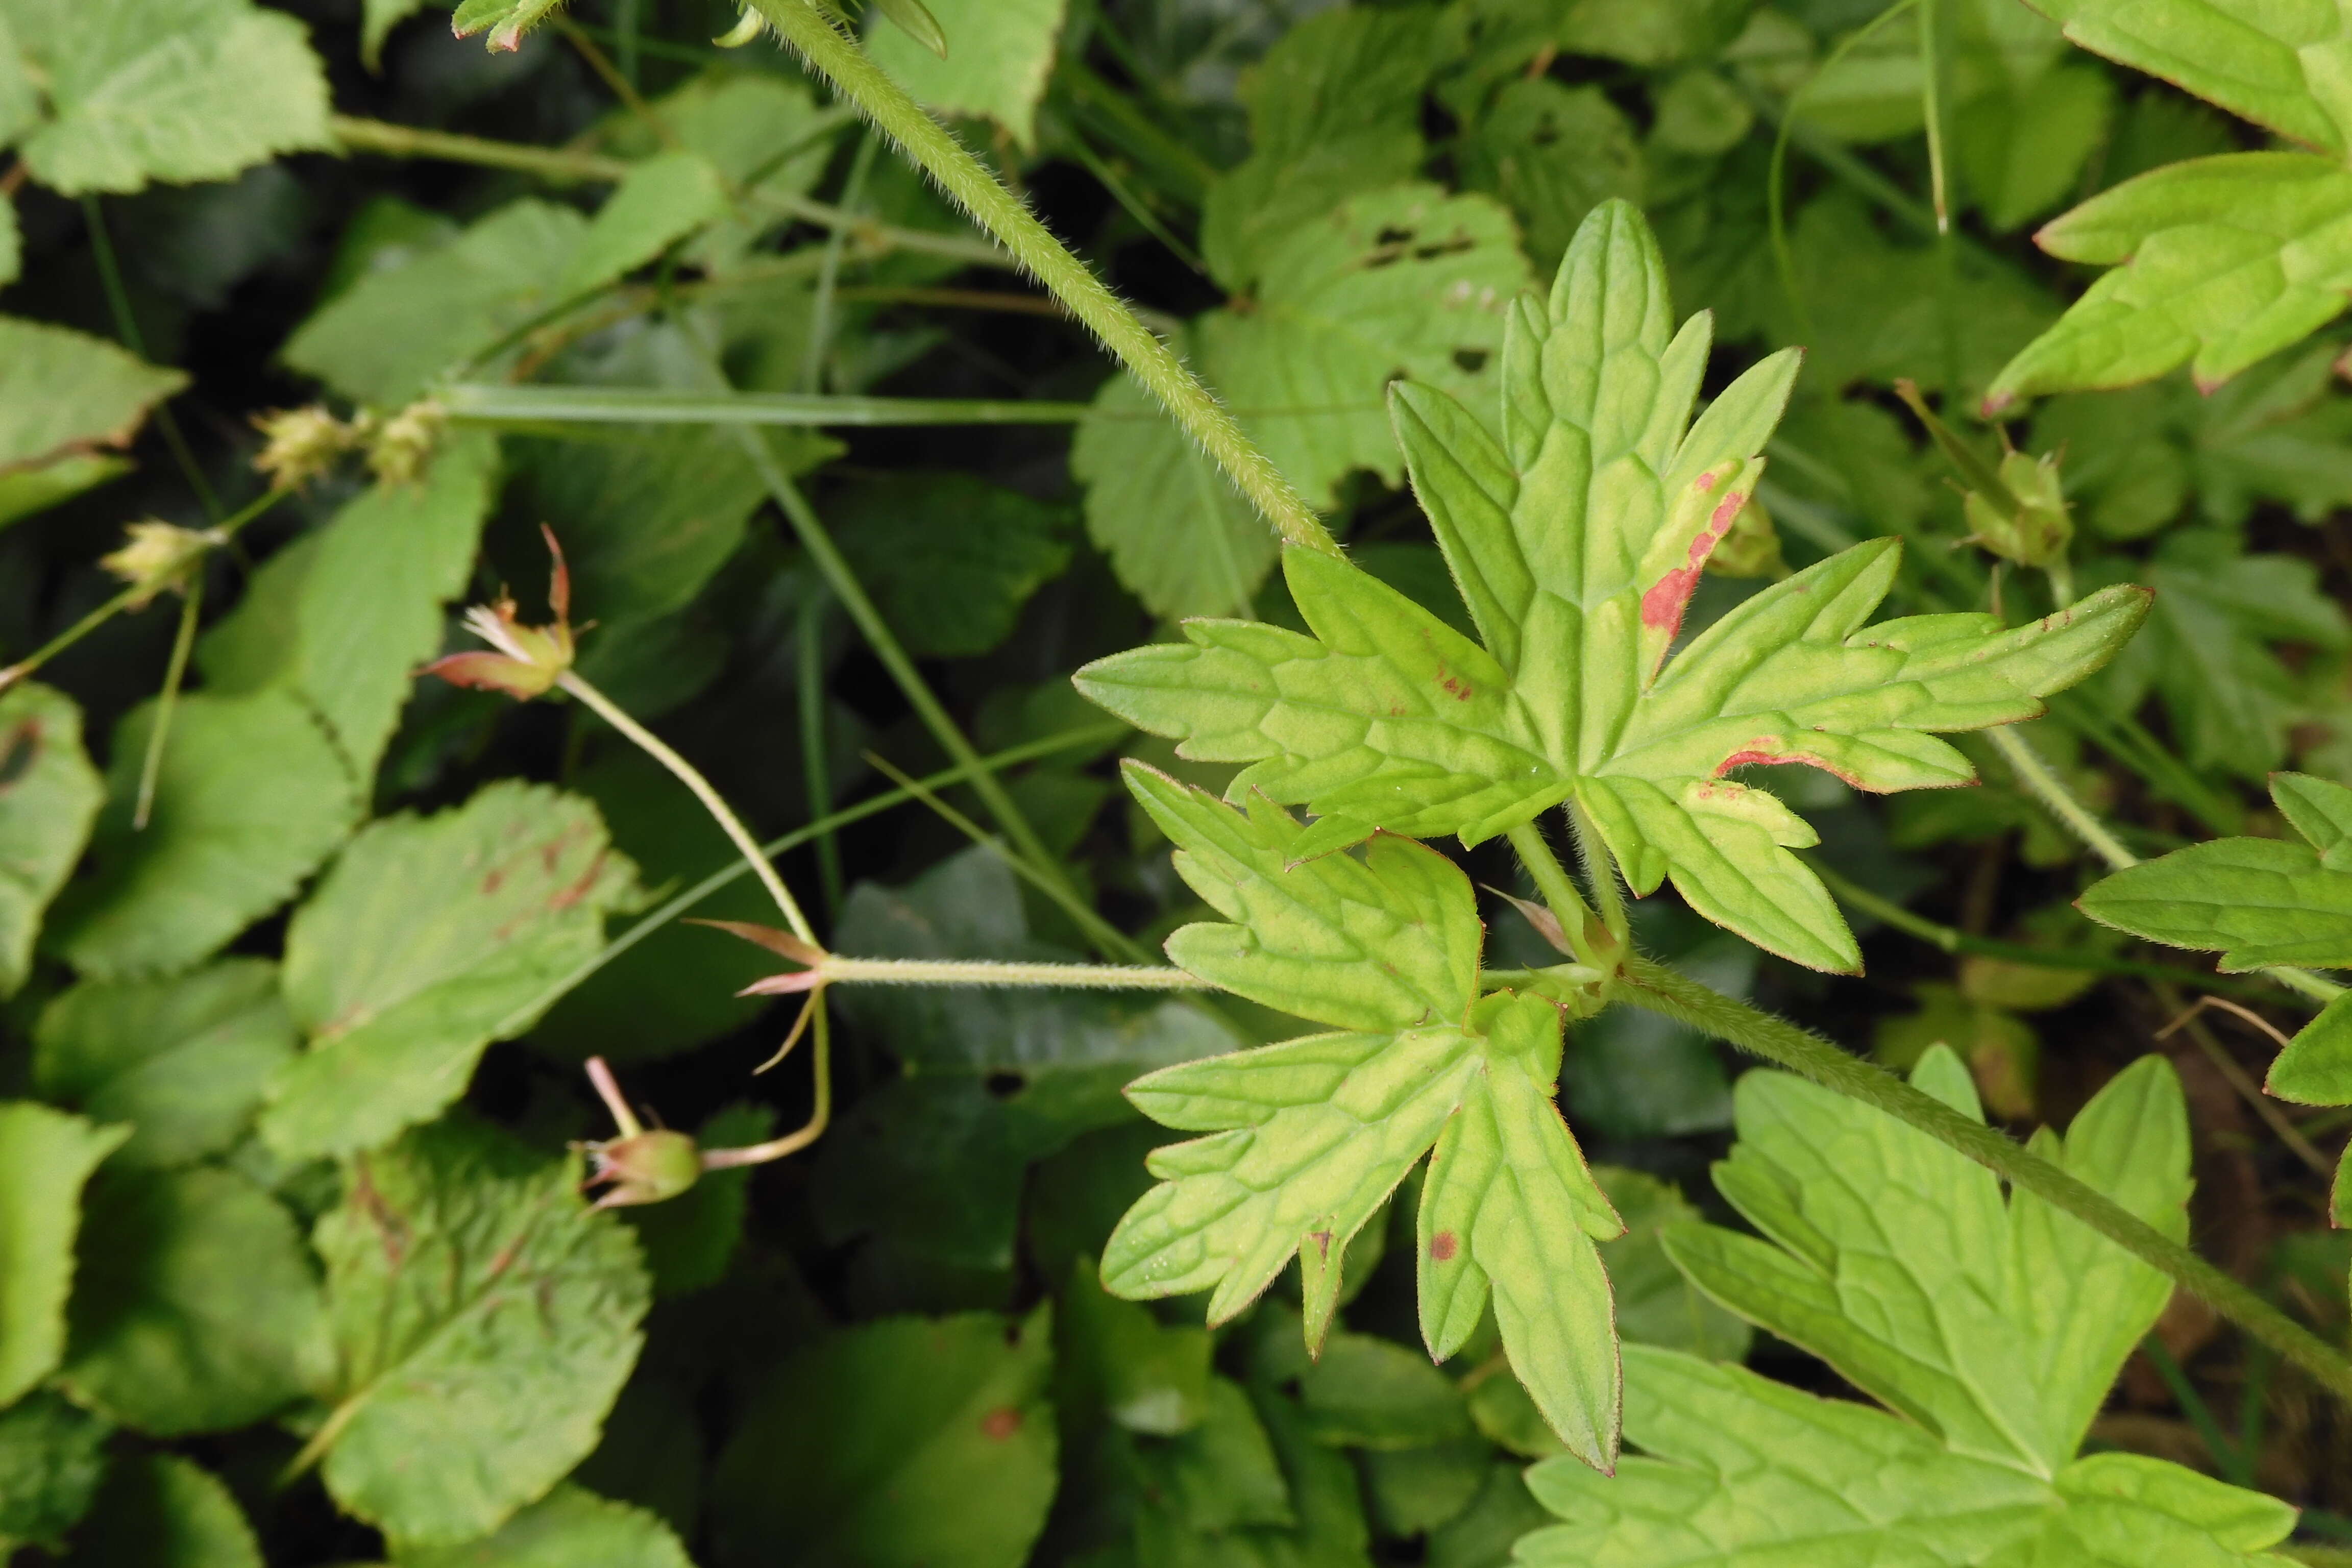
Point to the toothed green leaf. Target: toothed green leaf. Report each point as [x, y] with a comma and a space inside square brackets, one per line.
[50, 794]
[1308, 1139]
[2218, 262]
[1577, 541]
[45, 1157]
[1999, 1327]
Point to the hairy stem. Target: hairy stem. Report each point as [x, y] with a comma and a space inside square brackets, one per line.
[1658, 989]
[997, 210]
[689, 775]
[840, 971]
[1552, 881]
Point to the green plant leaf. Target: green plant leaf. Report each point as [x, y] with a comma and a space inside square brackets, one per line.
[506, 21]
[660, 202]
[158, 1510]
[383, 340]
[1308, 1139]
[343, 618]
[1366, 1392]
[1998, 1327]
[2260, 902]
[998, 54]
[569, 1526]
[484, 1318]
[195, 1307]
[63, 394]
[1553, 153]
[1742, 1472]
[895, 1444]
[251, 796]
[2208, 648]
[1335, 112]
[2023, 147]
[1144, 1375]
[2274, 67]
[993, 1080]
[1179, 535]
[50, 794]
[181, 1060]
[177, 91]
[45, 1155]
[1402, 279]
[761, 131]
[429, 938]
[1577, 543]
[950, 559]
[1656, 1304]
[2218, 263]
[52, 1458]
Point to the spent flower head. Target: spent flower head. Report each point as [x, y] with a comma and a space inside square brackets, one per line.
[298, 445]
[399, 450]
[159, 555]
[529, 660]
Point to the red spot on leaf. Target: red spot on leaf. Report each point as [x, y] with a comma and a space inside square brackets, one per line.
[1753, 754]
[1662, 605]
[1442, 1246]
[1000, 1424]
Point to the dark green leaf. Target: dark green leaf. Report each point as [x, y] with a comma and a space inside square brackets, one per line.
[157, 1510]
[51, 1460]
[569, 1528]
[950, 560]
[991, 59]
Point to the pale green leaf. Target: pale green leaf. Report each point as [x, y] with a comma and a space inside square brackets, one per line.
[158, 1510]
[178, 90]
[12, 239]
[384, 339]
[763, 132]
[62, 394]
[1577, 543]
[569, 1528]
[1741, 1472]
[905, 1443]
[1401, 280]
[26, 491]
[1998, 1327]
[949, 558]
[1553, 153]
[998, 54]
[1179, 535]
[52, 1458]
[484, 1319]
[342, 618]
[252, 795]
[2218, 262]
[50, 794]
[195, 1307]
[505, 20]
[45, 1156]
[1335, 111]
[1509, 1214]
[2282, 67]
[20, 94]
[429, 938]
[662, 200]
[181, 1060]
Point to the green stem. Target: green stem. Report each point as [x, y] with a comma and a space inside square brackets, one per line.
[654, 746]
[1863, 901]
[794, 1141]
[996, 209]
[563, 166]
[2052, 792]
[1661, 989]
[481, 403]
[828, 277]
[151, 767]
[815, 774]
[1600, 872]
[840, 971]
[735, 870]
[1552, 881]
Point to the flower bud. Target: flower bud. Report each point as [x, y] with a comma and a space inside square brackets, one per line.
[648, 1167]
[159, 555]
[403, 445]
[300, 445]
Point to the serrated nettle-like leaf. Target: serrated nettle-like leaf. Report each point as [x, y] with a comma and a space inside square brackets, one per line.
[569, 1526]
[52, 1459]
[1576, 541]
[50, 794]
[1308, 1139]
[2260, 902]
[994, 63]
[45, 1157]
[484, 1319]
[2218, 262]
[63, 394]
[429, 938]
[1999, 1327]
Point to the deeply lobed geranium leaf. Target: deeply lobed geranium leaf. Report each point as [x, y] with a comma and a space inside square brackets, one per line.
[2218, 262]
[1577, 541]
[1996, 1326]
[2260, 902]
[1308, 1139]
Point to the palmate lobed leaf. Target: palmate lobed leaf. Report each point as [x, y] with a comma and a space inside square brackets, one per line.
[1308, 1139]
[1576, 541]
[2260, 902]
